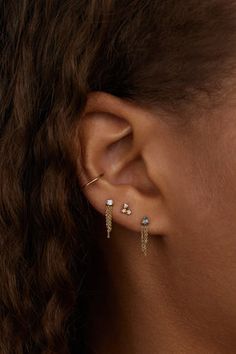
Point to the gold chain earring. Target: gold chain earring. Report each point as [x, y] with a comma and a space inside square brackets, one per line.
[144, 234]
[108, 214]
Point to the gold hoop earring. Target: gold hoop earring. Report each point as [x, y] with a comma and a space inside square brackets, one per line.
[144, 234]
[108, 215]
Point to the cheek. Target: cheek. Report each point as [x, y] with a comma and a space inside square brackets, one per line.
[200, 197]
[200, 186]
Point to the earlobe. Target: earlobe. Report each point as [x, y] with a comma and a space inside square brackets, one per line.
[113, 164]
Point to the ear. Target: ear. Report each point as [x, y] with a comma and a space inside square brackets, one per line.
[116, 137]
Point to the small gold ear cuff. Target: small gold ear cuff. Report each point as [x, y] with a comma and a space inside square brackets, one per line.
[92, 181]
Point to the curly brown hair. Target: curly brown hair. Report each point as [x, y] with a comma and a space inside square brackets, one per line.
[52, 53]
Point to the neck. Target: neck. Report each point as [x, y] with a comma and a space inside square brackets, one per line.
[141, 304]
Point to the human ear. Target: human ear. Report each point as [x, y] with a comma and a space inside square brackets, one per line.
[116, 137]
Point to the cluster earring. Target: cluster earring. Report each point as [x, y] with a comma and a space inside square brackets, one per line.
[125, 209]
[144, 234]
[108, 215]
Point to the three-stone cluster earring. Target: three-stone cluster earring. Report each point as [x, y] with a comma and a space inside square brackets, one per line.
[108, 215]
[125, 209]
[144, 234]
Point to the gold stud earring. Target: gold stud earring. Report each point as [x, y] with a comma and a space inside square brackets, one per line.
[108, 214]
[125, 209]
[144, 234]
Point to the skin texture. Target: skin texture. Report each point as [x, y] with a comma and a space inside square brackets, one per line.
[181, 173]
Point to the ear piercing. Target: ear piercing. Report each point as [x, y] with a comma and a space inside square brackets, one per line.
[92, 181]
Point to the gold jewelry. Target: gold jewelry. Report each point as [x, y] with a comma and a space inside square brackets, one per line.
[125, 209]
[108, 214]
[144, 234]
[93, 180]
